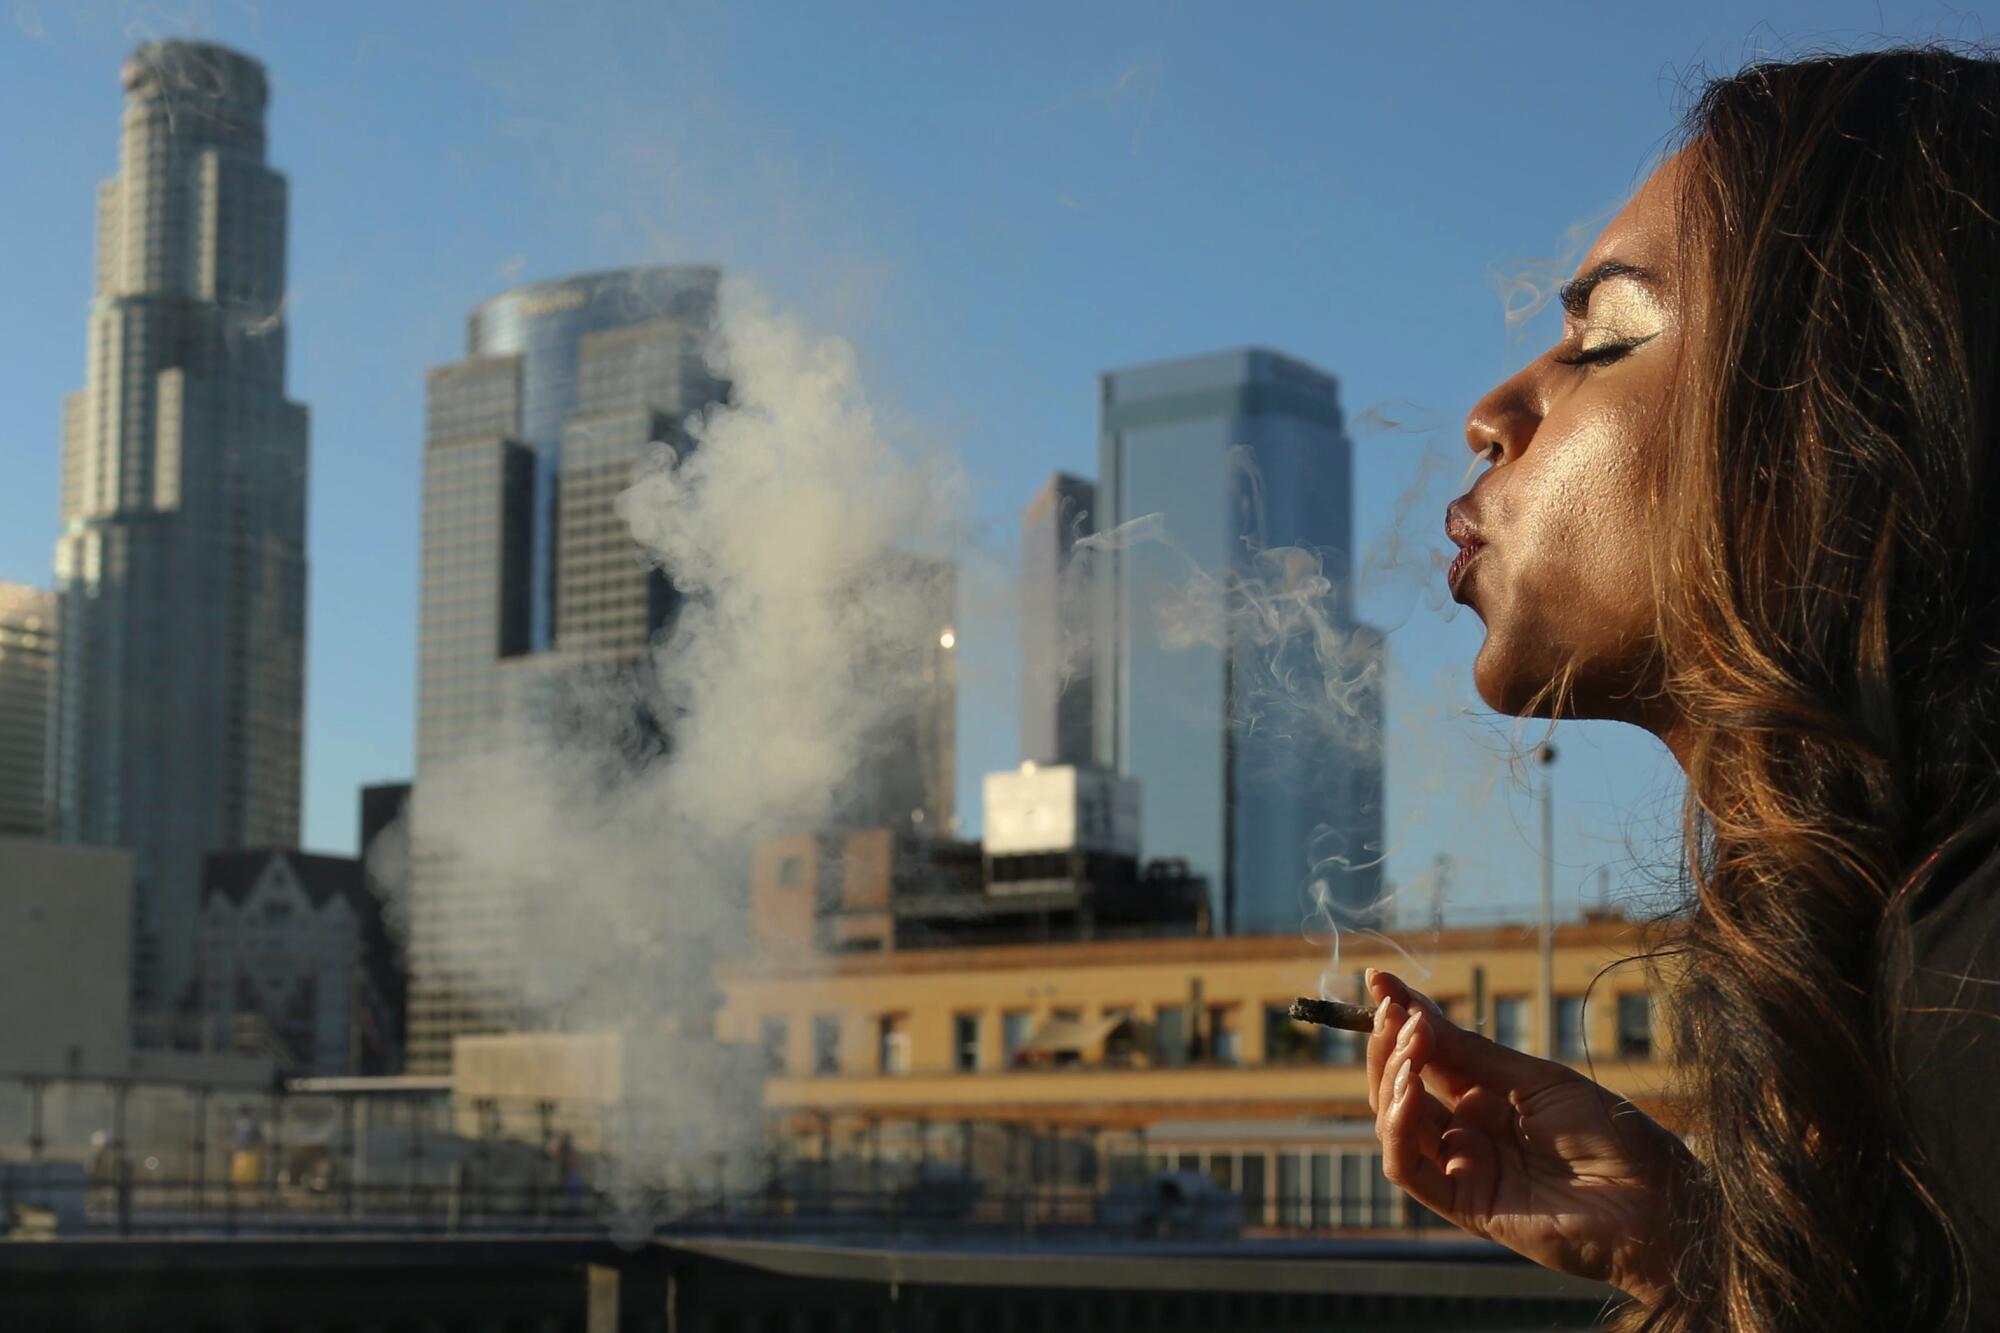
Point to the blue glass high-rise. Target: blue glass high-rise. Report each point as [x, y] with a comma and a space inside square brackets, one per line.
[1254, 777]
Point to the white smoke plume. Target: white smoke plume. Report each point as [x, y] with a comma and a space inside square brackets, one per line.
[612, 838]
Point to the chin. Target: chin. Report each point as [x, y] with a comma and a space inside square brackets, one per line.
[1508, 685]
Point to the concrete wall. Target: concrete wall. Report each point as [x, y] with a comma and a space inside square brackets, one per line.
[65, 958]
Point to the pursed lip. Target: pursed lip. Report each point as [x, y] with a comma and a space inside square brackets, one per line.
[1461, 526]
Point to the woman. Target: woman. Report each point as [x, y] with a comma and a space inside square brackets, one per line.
[1751, 502]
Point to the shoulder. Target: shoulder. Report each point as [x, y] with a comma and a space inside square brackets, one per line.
[1954, 906]
[1946, 1041]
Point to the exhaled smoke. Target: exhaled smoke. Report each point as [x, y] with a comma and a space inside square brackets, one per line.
[1304, 683]
[1308, 677]
[609, 826]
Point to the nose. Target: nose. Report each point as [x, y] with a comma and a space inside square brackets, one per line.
[1508, 416]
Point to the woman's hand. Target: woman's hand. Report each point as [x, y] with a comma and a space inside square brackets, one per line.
[1523, 1151]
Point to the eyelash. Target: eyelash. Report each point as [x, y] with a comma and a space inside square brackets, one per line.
[1603, 354]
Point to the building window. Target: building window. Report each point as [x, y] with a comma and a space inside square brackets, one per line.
[1226, 1047]
[1170, 1047]
[772, 1039]
[1381, 1194]
[893, 1044]
[1510, 1021]
[1322, 1190]
[1286, 1041]
[1569, 1027]
[792, 870]
[1333, 1046]
[965, 1042]
[1252, 1189]
[1121, 1044]
[826, 1044]
[1291, 1189]
[1635, 1027]
[1014, 1027]
[1351, 1197]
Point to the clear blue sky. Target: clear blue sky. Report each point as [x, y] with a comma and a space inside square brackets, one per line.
[994, 202]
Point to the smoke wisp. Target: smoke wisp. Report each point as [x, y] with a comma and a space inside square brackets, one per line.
[605, 835]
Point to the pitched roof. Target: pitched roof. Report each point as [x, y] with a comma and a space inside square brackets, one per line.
[234, 874]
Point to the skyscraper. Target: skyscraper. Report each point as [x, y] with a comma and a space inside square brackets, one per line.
[530, 576]
[181, 566]
[1055, 664]
[906, 775]
[27, 669]
[566, 388]
[1252, 772]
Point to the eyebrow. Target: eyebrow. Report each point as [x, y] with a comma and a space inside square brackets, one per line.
[1575, 294]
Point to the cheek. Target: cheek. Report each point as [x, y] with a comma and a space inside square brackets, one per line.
[1583, 513]
[1576, 533]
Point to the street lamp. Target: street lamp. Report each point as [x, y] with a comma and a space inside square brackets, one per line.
[1545, 754]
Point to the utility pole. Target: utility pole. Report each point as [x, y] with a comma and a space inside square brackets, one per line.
[1440, 885]
[1546, 996]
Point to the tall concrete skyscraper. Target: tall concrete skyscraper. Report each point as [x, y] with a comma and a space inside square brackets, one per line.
[181, 568]
[1055, 661]
[530, 576]
[27, 675]
[1252, 772]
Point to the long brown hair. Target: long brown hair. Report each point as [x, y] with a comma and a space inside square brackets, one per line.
[1829, 601]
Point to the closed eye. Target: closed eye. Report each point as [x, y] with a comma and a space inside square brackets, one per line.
[1603, 354]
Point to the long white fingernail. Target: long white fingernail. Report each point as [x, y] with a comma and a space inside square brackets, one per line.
[1402, 1084]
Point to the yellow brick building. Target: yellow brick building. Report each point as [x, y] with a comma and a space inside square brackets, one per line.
[1177, 1050]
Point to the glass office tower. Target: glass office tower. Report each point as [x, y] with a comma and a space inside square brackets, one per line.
[181, 568]
[1226, 457]
[547, 326]
[531, 578]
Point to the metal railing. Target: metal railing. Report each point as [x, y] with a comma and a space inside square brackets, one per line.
[133, 1158]
[56, 1203]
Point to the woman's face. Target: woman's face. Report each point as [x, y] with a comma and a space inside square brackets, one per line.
[1553, 537]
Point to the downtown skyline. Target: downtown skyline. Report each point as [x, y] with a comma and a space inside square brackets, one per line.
[992, 338]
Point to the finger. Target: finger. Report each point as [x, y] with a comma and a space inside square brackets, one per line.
[1404, 1160]
[1471, 1163]
[1381, 1040]
[1433, 1123]
[1486, 1113]
[1464, 1059]
[1461, 1061]
[1382, 983]
[1392, 1068]
[1415, 1044]
[1409, 1048]
[1431, 1117]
